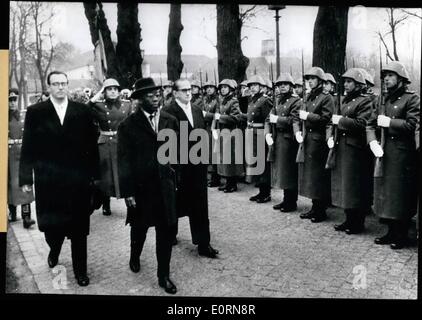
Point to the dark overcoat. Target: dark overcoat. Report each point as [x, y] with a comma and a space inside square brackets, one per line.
[15, 195]
[63, 160]
[395, 193]
[108, 116]
[351, 175]
[314, 179]
[141, 175]
[284, 167]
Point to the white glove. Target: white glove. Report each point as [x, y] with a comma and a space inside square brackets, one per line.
[303, 114]
[299, 137]
[216, 116]
[273, 118]
[97, 96]
[204, 113]
[26, 188]
[214, 134]
[383, 121]
[376, 149]
[330, 142]
[336, 118]
[130, 202]
[269, 139]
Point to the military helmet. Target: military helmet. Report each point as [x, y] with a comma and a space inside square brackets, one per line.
[209, 84]
[398, 68]
[195, 83]
[299, 82]
[167, 83]
[244, 83]
[268, 83]
[329, 77]
[256, 79]
[13, 92]
[355, 74]
[234, 83]
[316, 72]
[368, 77]
[285, 77]
[111, 83]
[227, 82]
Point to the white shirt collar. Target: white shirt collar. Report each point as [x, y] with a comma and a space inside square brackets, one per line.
[182, 105]
[58, 104]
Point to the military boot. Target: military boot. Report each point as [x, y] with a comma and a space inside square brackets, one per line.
[106, 206]
[26, 216]
[12, 213]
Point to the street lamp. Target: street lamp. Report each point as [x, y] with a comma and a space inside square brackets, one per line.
[277, 8]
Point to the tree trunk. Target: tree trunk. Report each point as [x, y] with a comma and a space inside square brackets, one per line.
[99, 23]
[174, 49]
[232, 64]
[128, 51]
[330, 36]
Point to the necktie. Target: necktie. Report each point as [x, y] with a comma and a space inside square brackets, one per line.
[152, 120]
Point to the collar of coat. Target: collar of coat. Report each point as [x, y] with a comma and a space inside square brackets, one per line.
[352, 95]
[257, 96]
[315, 92]
[15, 114]
[113, 103]
[227, 98]
[210, 98]
[285, 96]
[394, 94]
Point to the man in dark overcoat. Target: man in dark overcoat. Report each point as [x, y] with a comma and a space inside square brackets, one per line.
[149, 188]
[192, 192]
[59, 150]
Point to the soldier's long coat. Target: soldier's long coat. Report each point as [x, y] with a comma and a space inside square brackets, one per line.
[229, 119]
[210, 106]
[284, 169]
[15, 195]
[314, 179]
[63, 159]
[141, 175]
[108, 116]
[350, 176]
[395, 194]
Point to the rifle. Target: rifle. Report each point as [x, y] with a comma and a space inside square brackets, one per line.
[300, 157]
[331, 158]
[379, 167]
[272, 128]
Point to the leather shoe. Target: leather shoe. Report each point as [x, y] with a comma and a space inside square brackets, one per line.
[213, 184]
[106, 212]
[399, 244]
[255, 197]
[134, 265]
[278, 206]
[307, 215]
[263, 199]
[174, 242]
[208, 251]
[52, 260]
[341, 227]
[167, 284]
[230, 189]
[289, 208]
[82, 280]
[319, 217]
[387, 239]
[222, 188]
[354, 230]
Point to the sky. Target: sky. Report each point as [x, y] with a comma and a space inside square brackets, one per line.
[199, 34]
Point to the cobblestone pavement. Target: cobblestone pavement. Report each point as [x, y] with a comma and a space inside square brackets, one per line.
[263, 253]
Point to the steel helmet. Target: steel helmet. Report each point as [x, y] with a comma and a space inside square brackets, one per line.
[111, 83]
[256, 79]
[234, 83]
[195, 83]
[299, 82]
[244, 83]
[226, 82]
[329, 77]
[398, 68]
[209, 84]
[167, 83]
[268, 83]
[356, 74]
[316, 72]
[285, 77]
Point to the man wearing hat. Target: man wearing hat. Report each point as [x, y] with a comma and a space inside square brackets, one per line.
[197, 99]
[109, 113]
[15, 195]
[147, 185]
[329, 84]
[395, 188]
[299, 90]
[192, 192]
[168, 98]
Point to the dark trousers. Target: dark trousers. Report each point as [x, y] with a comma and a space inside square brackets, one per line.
[231, 181]
[106, 202]
[319, 206]
[164, 235]
[199, 229]
[290, 196]
[78, 246]
[25, 209]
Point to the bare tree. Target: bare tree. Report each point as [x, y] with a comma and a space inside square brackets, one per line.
[174, 49]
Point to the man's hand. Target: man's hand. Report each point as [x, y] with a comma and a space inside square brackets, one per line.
[98, 95]
[269, 139]
[336, 118]
[216, 116]
[204, 113]
[273, 118]
[303, 114]
[376, 149]
[130, 202]
[330, 142]
[214, 134]
[27, 188]
[299, 137]
[383, 121]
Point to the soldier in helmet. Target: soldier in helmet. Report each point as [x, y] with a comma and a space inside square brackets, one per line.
[243, 97]
[196, 94]
[329, 84]
[395, 189]
[258, 110]
[211, 103]
[15, 195]
[167, 93]
[284, 167]
[228, 115]
[314, 179]
[109, 113]
[298, 87]
[349, 176]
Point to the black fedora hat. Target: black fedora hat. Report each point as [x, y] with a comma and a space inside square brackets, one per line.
[142, 86]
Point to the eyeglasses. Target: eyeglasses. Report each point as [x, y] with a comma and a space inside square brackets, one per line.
[56, 84]
[185, 90]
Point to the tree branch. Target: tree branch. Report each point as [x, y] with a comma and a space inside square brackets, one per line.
[385, 46]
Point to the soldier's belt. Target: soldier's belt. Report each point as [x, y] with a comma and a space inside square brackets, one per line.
[108, 133]
[15, 141]
[255, 125]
